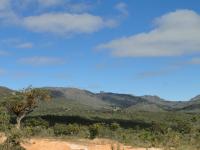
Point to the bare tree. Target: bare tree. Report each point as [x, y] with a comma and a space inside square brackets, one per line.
[23, 102]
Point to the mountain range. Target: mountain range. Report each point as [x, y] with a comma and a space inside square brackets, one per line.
[66, 98]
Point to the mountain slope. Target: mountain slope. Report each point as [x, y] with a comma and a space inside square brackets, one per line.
[78, 96]
[64, 99]
[120, 100]
[196, 98]
[4, 91]
[193, 105]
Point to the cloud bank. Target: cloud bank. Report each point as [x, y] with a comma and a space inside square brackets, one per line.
[176, 33]
[61, 23]
[66, 23]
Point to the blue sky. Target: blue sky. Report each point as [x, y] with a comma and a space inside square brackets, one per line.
[131, 46]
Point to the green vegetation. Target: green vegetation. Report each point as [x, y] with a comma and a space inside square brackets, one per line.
[24, 102]
[71, 119]
[13, 140]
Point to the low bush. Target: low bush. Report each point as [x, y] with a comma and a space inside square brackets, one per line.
[4, 119]
[13, 140]
[95, 130]
[34, 122]
[114, 126]
[70, 129]
[183, 127]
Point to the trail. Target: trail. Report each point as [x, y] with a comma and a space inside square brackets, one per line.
[2, 138]
[81, 144]
[98, 144]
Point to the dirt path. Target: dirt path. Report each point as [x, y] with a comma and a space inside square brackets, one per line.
[56, 144]
[2, 138]
[99, 144]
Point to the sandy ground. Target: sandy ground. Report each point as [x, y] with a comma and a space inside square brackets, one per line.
[57, 144]
[2, 138]
[98, 144]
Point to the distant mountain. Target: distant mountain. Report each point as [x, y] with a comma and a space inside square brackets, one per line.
[165, 104]
[196, 98]
[4, 91]
[120, 100]
[153, 98]
[64, 99]
[193, 105]
[140, 103]
[78, 96]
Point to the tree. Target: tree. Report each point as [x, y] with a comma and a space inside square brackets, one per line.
[21, 103]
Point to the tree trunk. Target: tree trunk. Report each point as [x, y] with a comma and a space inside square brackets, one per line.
[18, 120]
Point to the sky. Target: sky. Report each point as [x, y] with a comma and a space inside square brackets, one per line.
[139, 47]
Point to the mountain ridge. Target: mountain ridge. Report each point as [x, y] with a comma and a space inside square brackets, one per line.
[108, 100]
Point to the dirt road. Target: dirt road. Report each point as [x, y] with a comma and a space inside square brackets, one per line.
[57, 144]
[100, 144]
[2, 138]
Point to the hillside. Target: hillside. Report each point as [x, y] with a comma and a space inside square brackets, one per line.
[65, 99]
[193, 105]
[4, 91]
[135, 120]
[196, 98]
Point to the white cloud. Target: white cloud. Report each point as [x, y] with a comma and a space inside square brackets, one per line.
[122, 8]
[66, 23]
[17, 43]
[6, 13]
[26, 45]
[176, 33]
[41, 60]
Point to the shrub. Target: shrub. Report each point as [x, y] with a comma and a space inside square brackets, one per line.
[194, 119]
[94, 130]
[71, 129]
[4, 119]
[182, 127]
[172, 139]
[145, 135]
[38, 130]
[34, 122]
[158, 127]
[114, 126]
[13, 140]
